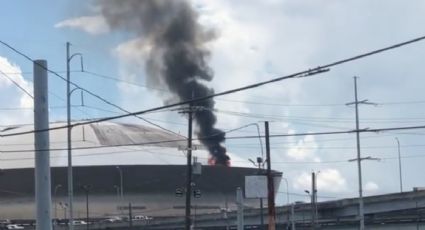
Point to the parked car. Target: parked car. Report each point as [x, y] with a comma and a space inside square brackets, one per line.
[113, 219]
[14, 226]
[78, 222]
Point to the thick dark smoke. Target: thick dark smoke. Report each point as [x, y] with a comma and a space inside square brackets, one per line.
[177, 56]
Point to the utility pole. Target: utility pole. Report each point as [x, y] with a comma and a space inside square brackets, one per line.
[399, 165]
[189, 171]
[130, 216]
[41, 145]
[359, 158]
[68, 119]
[270, 182]
[313, 200]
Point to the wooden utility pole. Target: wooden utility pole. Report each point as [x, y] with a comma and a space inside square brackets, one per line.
[270, 183]
[188, 219]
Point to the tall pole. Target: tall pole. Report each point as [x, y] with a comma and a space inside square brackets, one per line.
[359, 160]
[69, 129]
[121, 182]
[189, 171]
[270, 182]
[399, 165]
[313, 201]
[68, 119]
[130, 216]
[87, 207]
[41, 144]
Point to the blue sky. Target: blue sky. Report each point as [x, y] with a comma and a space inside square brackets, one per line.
[258, 40]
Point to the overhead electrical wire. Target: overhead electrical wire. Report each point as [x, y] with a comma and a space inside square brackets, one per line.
[228, 138]
[304, 73]
[83, 89]
[17, 84]
[117, 79]
[345, 161]
[122, 81]
[335, 147]
[128, 112]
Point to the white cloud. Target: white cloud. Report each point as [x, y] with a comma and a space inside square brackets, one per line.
[371, 187]
[15, 96]
[328, 180]
[90, 24]
[331, 180]
[304, 149]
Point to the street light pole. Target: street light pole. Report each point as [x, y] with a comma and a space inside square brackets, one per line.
[121, 182]
[311, 196]
[68, 119]
[399, 165]
[86, 189]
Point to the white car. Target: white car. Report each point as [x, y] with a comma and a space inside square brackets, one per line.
[14, 226]
[78, 222]
[113, 219]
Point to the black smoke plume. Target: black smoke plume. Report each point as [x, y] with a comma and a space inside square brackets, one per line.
[177, 56]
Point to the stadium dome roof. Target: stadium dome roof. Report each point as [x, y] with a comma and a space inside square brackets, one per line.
[105, 143]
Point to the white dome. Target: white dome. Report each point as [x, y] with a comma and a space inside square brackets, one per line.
[103, 143]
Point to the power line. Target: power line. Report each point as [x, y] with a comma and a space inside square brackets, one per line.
[17, 84]
[178, 155]
[122, 81]
[306, 195]
[305, 73]
[212, 136]
[280, 104]
[117, 79]
[128, 112]
[296, 75]
[83, 89]
[335, 147]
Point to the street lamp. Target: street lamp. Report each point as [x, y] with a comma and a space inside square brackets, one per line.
[86, 189]
[121, 182]
[399, 164]
[68, 116]
[56, 201]
[311, 196]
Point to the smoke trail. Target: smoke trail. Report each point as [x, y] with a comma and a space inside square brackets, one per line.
[177, 56]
